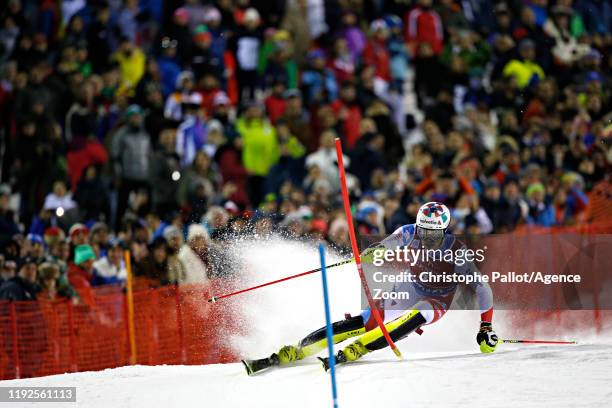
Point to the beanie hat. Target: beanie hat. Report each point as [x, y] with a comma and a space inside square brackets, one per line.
[77, 228]
[170, 232]
[35, 239]
[534, 187]
[196, 230]
[133, 110]
[83, 253]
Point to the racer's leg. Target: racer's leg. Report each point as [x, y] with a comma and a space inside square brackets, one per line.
[425, 311]
[398, 328]
[317, 340]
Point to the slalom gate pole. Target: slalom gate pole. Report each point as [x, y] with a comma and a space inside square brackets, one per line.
[215, 298]
[328, 327]
[537, 341]
[364, 282]
[130, 307]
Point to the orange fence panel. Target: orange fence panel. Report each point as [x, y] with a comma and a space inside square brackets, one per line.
[173, 325]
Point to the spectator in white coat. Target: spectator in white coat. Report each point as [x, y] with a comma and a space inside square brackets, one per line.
[195, 255]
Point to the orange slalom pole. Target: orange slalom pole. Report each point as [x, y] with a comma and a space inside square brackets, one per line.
[130, 304]
[364, 282]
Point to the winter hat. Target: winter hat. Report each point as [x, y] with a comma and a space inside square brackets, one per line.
[98, 226]
[197, 230]
[281, 36]
[192, 99]
[133, 110]
[533, 188]
[231, 208]
[338, 225]
[171, 231]
[83, 253]
[202, 36]
[378, 25]
[363, 213]
[593, 76]
[221, 98]
[116, 242]
[392, 21]
[526, 44]
[318, 225]
[251, 14]
[214, 125]
[77, 228]
[53, 235]
[182, 14]
[292, 93]
[35, 239]
[212, 14]
[491, 183]
[5, 189]
[316, 53]
[183, 76]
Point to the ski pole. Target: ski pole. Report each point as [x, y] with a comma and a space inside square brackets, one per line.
[215, 298]
[537, 341]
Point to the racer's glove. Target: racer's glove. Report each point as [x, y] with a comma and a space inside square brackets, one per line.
[486, 338]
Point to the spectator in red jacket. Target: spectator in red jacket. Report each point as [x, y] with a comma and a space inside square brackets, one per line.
[80, 273]
[349, 112]
[233, 173]
[423, 25]
[276, 103]
[376, 52]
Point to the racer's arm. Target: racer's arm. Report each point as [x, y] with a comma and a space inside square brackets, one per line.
[399, 238]
[486, 338]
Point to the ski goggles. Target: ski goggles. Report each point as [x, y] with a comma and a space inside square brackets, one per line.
[430, 237]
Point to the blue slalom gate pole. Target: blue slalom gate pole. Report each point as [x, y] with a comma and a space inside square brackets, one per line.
[330, 334]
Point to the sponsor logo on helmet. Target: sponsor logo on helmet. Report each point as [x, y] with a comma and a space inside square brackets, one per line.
[434, 210]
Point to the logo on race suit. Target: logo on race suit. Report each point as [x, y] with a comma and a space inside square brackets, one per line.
[434, 211]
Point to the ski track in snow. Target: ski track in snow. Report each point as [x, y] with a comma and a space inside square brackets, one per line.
[443, 368]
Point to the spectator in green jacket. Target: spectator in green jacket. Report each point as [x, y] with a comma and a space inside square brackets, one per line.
[525, 70]
[260, 149]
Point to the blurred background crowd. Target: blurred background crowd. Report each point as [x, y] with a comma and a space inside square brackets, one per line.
[171, 127]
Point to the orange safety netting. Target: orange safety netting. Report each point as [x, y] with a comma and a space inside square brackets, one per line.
[173, 326]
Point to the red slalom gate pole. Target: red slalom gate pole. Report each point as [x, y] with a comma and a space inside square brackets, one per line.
[215, 298]
[364, 282]
[537, 341]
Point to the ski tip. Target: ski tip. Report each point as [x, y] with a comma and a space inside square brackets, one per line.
[398, 353]
[247, 367]
[212, 299]
[325, 362]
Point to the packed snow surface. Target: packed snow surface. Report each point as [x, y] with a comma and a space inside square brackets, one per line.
[574, 376]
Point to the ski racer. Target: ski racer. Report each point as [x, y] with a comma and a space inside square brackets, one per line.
[426, 303]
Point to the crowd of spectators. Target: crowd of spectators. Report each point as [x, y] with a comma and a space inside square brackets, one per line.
[170, 128]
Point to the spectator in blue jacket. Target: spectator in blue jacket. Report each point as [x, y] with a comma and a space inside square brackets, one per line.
[541, 211]
[110, 269]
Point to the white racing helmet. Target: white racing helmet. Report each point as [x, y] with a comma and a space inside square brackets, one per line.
[434, 216]
[432, 220]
